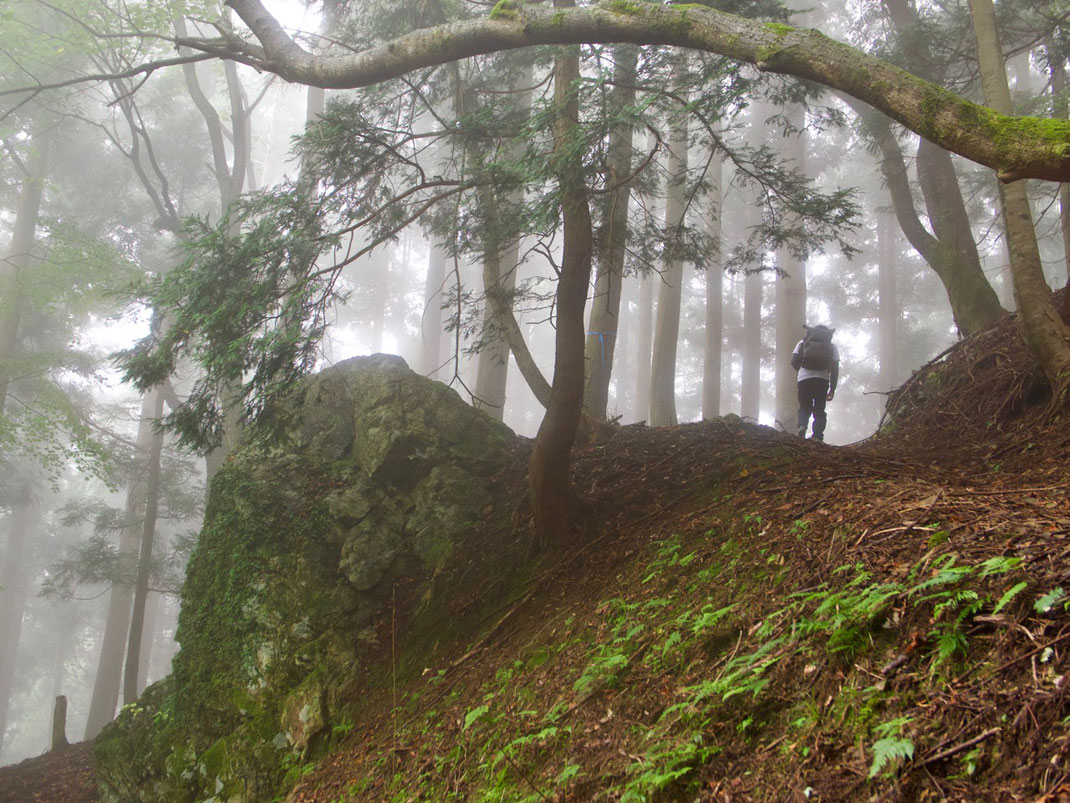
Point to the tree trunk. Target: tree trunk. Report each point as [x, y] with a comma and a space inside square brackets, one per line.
[59, 724]
[670, 290]
[144, 567]
[605, 307]
[19, 259]
[108, 677]
[643, 347]
[14, 579]
[751, 350]
[1043, 331]
[714, 335]
[974, 304]
[1061, 109]
[431, 328]
[790, 297]
[950, 251]
[553, 500]
[888, 304]
[500, 263]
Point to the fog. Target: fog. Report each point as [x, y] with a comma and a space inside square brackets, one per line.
[124, 200]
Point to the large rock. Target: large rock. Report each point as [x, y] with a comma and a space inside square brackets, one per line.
[370, 475]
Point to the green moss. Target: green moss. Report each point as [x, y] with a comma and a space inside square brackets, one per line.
[505, 10]
[778, 28]
[627, 7]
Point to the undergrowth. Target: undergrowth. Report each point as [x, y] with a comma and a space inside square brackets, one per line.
[700, 651]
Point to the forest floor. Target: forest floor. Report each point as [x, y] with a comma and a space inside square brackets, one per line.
[897, 626]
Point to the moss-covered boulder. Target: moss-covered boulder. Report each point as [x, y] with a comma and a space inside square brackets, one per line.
[370, 475]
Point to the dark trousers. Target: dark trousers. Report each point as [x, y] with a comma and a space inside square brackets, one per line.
[813, 393]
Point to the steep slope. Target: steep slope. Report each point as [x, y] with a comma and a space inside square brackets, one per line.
[751, 616]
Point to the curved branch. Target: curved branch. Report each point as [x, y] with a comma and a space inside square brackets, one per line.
[1017, 147]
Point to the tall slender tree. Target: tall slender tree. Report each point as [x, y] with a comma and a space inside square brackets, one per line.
[670, 289]
[612, 237]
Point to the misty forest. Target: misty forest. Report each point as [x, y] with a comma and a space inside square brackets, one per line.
[434, 400]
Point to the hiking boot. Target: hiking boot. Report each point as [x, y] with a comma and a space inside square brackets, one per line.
[801, 432]
[818, 438]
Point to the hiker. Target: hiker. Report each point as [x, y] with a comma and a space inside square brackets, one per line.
[818, 363]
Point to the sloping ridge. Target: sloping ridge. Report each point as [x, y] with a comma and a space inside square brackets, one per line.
[747, 616]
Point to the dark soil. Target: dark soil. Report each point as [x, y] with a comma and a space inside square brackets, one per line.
[973, 443]
[62, 776]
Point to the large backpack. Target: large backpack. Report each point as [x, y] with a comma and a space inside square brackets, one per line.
[817, 353]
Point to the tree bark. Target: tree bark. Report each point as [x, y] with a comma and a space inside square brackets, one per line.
[888, 304]
[605, 307]
[108, 677]
[643, 347]
[670, 289]
[500, 263]
[951, 251]
[1061, 108]
[553, 500]
[978, 133]
[1043, 330]
[714, 334]
[18, 260]
[15, 582]
[751, 350]
[431, 328]
[790, 290]
[59, 724]
[144, 567]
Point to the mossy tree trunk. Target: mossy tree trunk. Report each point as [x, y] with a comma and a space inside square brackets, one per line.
[1043, 330]
[553, 499]
[945, 118]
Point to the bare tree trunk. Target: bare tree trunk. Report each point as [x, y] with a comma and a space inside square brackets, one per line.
[646, 340]
[751, 350]
[790, 298]
[553, 499]
[59, 724]
[150, 628]
[1044, 332]
[670, 290]
[18, 259]
[622, 399]
[888, 304]
[144, 567]
[714, 335]
[14, 579]
[605, 307]
[108, 677]
[431, 328]
[500, 263]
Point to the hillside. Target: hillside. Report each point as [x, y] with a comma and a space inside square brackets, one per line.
[744, 616]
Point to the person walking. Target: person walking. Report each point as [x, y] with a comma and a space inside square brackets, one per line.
[818, 362]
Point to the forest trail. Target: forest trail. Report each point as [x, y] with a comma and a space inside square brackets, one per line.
[974, 468]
